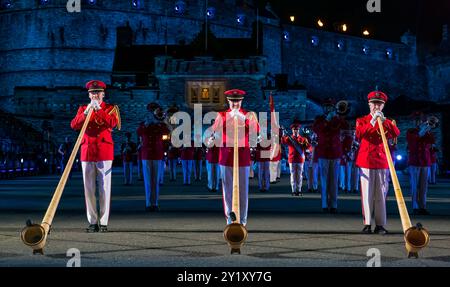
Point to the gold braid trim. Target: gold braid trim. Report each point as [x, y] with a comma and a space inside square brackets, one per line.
[117, 112]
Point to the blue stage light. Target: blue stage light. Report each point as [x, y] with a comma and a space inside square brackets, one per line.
[92, 2]
[399, 157]
[211, 12]
[365, 50]
[180, 7]
[136, 3]
[240, 19]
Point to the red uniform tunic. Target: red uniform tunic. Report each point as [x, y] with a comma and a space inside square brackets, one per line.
[294, 156]
[328, 137]
[371, 151]
[152, 142]
[97, 143]
[262, 153]
[188, 153]
[212, 155]
[277, 157]
[198, 154]
[226, 152]
[419, 148]
[173, 153]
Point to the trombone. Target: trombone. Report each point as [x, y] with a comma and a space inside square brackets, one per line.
[416, 237]
[35, 235]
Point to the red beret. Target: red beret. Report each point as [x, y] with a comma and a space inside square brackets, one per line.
[95, 85]
[295, 124]
[235, 94]
[377, 96]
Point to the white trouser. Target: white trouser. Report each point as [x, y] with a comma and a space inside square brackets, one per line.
[227, 191]
[99, 171]
[162, 168]
[187, 170]
[128, 171]
[264, 175]
[354, 178]
[173, 168]
[374, 188]
[198, 169]
[150, 169]
[419, 185]
[213, 175]
[329, 172]
[296, 176]
[432, 173]
[275, 170]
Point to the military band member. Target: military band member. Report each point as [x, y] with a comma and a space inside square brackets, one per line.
[212, 168]
[152, 131]
[128, 149]
[223, 129]
[97, 153]
[275, 162]
[64, 150]
[420, 139]
[296, 157]
[173, 155]
[187, 162]
[263, 160]
[328, 128]
[373, 163]
[346, 165]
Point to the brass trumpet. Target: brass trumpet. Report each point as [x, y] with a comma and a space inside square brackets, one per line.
[235, 233]
[35, 235]
[416, 237]
[342, 107]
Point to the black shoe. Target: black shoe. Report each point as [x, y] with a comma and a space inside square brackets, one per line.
[333, 210]
[416, 211]
[380, 230]
[423, 211]
[367, 229]
[103, 228]
[92, 228]
[355, 191]
[297, 193]
[325, 210]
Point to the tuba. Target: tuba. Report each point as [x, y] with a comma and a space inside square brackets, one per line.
[235, 233]
[432, 122]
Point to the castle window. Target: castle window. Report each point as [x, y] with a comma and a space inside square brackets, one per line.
[207, 93]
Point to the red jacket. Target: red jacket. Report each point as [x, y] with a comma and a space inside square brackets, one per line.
[419, 148]
[152, 140]
[277, 157]
[198, 153]
[328, 136]
[173, 153]
[294, 156]
[226, 152]
[371, 150]
[212, 155]
[262, 153]
[188, 153]
[97, 143]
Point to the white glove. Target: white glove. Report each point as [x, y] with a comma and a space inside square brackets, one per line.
[375, 116]
[95, 105]
[86, 111]
[238, 114]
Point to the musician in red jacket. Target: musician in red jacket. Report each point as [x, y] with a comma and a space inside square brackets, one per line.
[328, 128]
[223, 137]
[296, 158]
[420, 140]
[152, 132]
[372, 161]
[97, 153]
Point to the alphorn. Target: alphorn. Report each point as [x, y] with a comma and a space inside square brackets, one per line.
[235, 233]
[416, 237]
[35, 235]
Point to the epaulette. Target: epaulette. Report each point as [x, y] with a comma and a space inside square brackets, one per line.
[116, 110]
